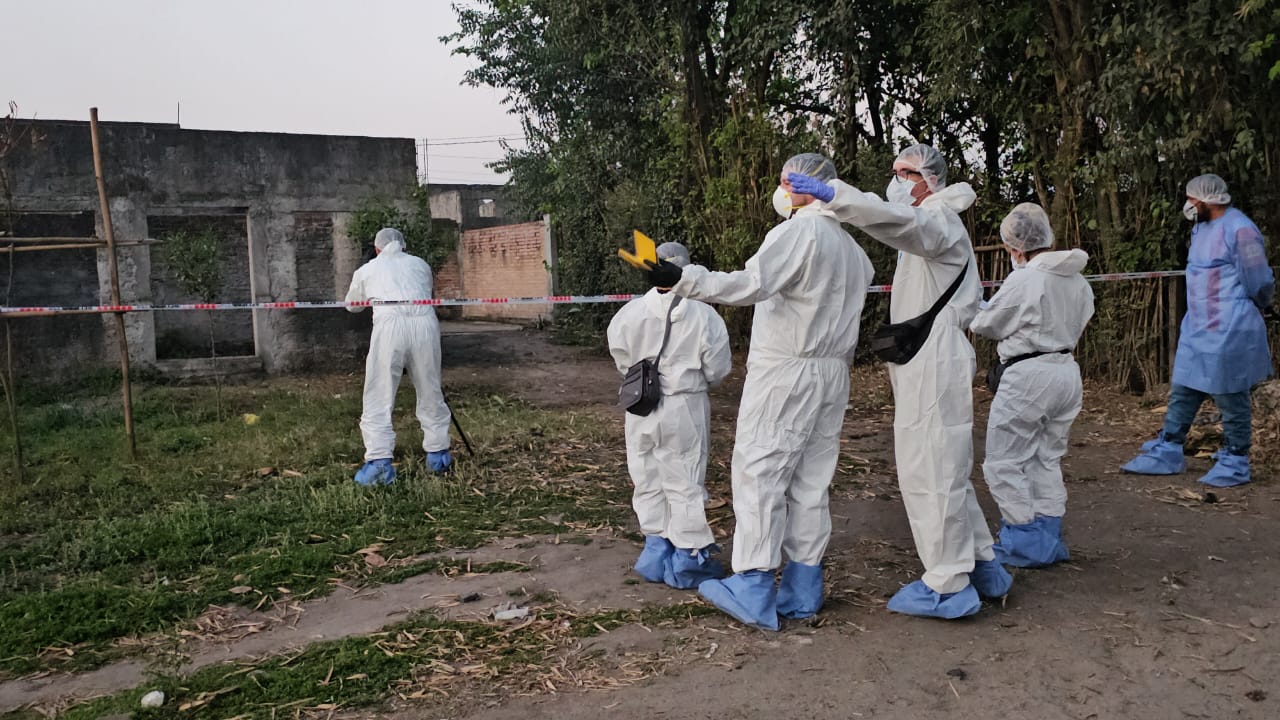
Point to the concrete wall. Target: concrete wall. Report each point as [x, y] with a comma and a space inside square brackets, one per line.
[282, 201]
[472, 206]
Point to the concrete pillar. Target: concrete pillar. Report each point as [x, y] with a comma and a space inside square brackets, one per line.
[346, 255]
[129, 225]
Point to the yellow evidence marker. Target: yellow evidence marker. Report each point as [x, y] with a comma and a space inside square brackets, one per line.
[646, 253]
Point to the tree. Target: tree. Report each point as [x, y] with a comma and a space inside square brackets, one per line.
[423, 236]
[195, 259]
[674, 116]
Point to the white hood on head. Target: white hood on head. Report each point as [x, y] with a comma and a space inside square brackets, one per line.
[1061, 262]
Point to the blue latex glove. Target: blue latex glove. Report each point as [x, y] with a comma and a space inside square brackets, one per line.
[806, 185]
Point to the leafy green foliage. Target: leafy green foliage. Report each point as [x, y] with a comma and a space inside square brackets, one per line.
[675, 117]
[195, 259]
[429, 239]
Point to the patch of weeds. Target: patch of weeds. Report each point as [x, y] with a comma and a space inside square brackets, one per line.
[652, 615]
[94, 548]
[423, 657]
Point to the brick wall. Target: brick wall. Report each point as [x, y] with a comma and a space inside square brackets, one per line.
[505, 261]
[448, 284]
[56, 345]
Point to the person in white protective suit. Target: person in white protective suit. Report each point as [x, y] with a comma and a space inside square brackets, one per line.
[932, 389]
[808, 283]
[667, 449]
[404, 337]
[1038, 316]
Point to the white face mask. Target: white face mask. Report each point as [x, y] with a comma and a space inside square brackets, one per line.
[782, 203]
[1018, 264]
[1190, 212]
[899, 192]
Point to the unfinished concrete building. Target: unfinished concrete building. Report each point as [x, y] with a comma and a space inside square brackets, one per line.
[279, 204]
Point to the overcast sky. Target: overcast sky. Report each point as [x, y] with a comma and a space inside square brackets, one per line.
[367, 67]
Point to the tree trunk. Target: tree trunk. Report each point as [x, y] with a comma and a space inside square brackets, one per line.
[990, 137]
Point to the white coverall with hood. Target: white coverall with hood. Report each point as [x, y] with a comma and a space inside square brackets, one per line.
[933, 393]
[404, 337]
[1042, 307]
[667, 449]
[808, 283]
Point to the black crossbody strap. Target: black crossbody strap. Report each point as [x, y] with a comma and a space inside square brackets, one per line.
[666, 331]
[950, 292]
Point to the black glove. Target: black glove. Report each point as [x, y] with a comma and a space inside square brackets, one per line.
[664, 274]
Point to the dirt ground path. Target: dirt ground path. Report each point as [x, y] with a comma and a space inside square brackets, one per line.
[1169, 608]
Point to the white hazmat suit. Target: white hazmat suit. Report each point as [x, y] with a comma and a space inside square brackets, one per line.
[667, 449]
[933, 393]
[1042, 308]
[808, 283]
[404, 337]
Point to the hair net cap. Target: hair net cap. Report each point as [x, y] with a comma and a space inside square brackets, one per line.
[388, 236]
[1027, 228]
[926, 160]
[1209, 188]
[674, 253]
[811, 164]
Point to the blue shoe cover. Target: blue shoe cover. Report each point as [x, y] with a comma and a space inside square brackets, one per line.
[749, 597]
[1229, 471]
[687, 568]
[919, 600]
[990, 579]
[1035, 544]
[440, 462]
[655, 558]
[376, 472]
[800, 592]
[1159, 457]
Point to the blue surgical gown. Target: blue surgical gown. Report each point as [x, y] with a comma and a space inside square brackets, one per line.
[1223, 345]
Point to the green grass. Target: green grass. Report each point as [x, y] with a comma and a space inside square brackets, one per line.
[94, 548]
[362, 671]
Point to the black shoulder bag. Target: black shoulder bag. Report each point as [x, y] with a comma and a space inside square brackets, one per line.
[640, 392]
[897, 343]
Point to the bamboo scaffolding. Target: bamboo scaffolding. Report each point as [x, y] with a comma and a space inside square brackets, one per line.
[125, 390]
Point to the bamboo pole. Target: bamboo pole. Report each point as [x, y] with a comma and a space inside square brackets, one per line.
[73, 246]
[59, 246]
[125, 390]
[6, 238]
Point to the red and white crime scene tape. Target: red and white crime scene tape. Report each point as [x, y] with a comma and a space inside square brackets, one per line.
[450, 302]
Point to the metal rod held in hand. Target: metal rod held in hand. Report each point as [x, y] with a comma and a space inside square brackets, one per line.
[454, 417]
